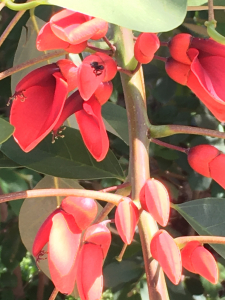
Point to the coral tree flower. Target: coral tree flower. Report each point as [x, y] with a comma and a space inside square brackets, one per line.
[126, 218]
[154, 199]
[197, 259]
[70, 30]
[96, 241]
[199, 64]
[145, 47]
[208, 161]
[38, 102]
[166, 252]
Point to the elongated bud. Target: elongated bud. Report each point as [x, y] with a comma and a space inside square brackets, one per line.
[84, 210]
[90, 279]
[197, 259]
[126, 218]
[100, 235]
[145, 47]
[154, 198]
[64, 242]
[166, 252]
[42, 235]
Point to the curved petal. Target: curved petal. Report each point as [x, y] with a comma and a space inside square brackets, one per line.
[103, 92]
[64, 242]
[216, 167]
[35, 117]
[208, 46]
[93, 129]
[101, 27]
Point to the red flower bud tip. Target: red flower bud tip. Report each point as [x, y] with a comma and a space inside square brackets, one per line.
[70, 30]
[42, 235]
[64, 242]
[38, 103]
[69, 71]
[100, 235]
[216, 167]
[179, 46]
[126, 218]
[145, 47]
[89, 273]
[200, 157]
[197, 259]
[154, 198]
[103, 92]
[93, 70]
[166, 252]
[84, 210]
[92, 127]
[193, 64]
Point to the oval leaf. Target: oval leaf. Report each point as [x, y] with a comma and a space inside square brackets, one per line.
[6, 130]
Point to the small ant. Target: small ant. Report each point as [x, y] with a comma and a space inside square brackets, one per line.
[97, 68]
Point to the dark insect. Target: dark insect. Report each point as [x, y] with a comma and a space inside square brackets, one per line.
[97, 68]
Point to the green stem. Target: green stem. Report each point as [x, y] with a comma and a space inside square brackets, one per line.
[216, 36]
[134, 93]
[158, 142]
[159, 131]
[111, 198]
[23, 6]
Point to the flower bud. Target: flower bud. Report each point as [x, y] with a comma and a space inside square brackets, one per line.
[179, 46]
[154, 198]
[145, 47]
[126, 218]
[197, 259]
[166, 252]
[84, 210]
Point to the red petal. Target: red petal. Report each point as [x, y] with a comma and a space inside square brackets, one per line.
[78, 48]
[109, 64]
[88, 78]
[179, 46]
[167, 253]
[155, 198]
[145, 47]
[42, 235]
[89, 273]
[102, 27]
[200, 157]
[208, 46]
[84, 210]
[177, 71]
[69, 71]
[126, 218]
[100, 235]
[37, 115]
[47, 40]
[216, 167]
[103, 92]
[92, 129]
[64, 242]
[186, 254]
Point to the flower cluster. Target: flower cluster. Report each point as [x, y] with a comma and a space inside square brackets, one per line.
[42, 105]
[71, 256]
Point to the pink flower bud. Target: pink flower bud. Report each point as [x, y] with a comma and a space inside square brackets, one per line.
[154, 198]
[84, 210]
[197, 259]
[126, 218]
[145, 47]
[166, 252]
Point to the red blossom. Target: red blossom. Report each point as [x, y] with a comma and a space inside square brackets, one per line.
[145, 47]
[208, 161]
[197, 259]
[38, 103]
[70, 30]
[126, 218]
[154, 199]
[199, 64]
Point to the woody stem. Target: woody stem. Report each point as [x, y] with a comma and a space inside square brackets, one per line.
[182, 241]
[53, 294]
[210, 10]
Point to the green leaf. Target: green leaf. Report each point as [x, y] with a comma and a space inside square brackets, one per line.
[5, 162]
[140, 15]
[206, 216]
[116, 117]
[6, 130]
[67, 158]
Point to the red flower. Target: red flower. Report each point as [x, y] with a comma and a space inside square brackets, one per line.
[39, 100]
[126, 218]
[199, 64]
[63, 236]
[166, 252]
[197, 259]
[208, 161]
[145, 47]
[154, 199]
[70, 30]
